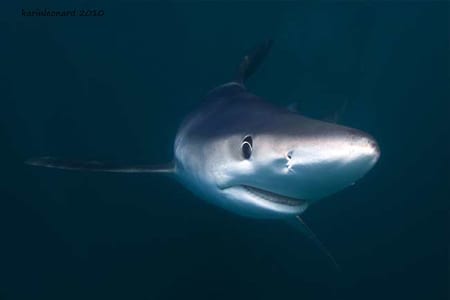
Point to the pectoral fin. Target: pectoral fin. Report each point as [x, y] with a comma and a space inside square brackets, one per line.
[301, 225]
[95, 166]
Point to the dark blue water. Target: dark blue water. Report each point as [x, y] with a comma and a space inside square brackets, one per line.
[116, 88]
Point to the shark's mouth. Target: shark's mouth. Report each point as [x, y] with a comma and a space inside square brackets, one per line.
[273, 197]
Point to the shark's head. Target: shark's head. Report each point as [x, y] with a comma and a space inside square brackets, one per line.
[257, 160]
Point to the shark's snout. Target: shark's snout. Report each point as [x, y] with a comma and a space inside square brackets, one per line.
[340, 149]
[364, 146]
[374, 148]
[321, 165]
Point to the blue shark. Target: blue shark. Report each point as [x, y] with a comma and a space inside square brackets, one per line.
[253, 158]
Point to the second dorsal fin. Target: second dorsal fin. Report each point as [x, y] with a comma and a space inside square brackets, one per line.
[252, 61]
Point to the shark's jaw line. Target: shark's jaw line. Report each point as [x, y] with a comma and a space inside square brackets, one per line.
[265, 195]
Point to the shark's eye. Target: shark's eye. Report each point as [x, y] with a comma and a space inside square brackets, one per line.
[247, 147]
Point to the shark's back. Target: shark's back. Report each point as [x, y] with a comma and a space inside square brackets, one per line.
[227, 109]
[231, 108]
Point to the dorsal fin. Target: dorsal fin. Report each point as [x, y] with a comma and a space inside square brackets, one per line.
[252, 61]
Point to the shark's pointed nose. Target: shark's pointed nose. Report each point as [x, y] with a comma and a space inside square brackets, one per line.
[372, 148]
[375, 149]
[325, 164]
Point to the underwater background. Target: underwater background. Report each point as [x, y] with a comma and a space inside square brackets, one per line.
[117, 87]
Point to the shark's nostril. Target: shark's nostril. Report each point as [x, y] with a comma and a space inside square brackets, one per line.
[289, 155]
[289, 162]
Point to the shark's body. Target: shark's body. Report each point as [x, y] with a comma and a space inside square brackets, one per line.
[294, 161]
[253, 158]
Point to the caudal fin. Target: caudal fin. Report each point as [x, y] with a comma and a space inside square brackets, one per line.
[95, 166]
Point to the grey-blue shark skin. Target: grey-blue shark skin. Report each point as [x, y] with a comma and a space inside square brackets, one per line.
[294, 160]
[253, 158]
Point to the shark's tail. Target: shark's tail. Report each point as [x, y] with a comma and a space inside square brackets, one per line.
[95, 166]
